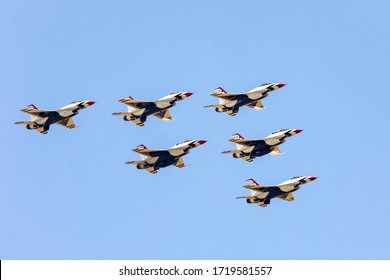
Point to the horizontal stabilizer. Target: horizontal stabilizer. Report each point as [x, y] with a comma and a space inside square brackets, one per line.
[134, 113]
[242, 197]
[231, 152]
[214, 106]
[135, 162]
[122, 114]
[25, 122]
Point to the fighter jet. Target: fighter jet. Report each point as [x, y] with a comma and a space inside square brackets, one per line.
[153, 160]
[42, 119]
[139, 110]
[248, 149]
[230, 103]
[262, 195]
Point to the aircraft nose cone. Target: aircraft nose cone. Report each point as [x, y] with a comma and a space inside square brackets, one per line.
[281, 85]
[297, 131]
[312, 178]
[188, 94]
[90, 103]
[201, 142]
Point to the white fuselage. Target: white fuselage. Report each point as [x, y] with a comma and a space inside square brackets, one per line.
[169, 101]
[258, 93]
[180, 149]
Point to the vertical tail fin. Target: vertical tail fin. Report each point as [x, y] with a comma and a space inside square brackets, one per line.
[219, 90]
[237, 136]
[29, 108]
[32, 107]
[129, 108]
[252, 183]
[139, 148]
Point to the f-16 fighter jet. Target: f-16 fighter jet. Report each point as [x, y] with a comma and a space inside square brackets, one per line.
[248, 149]
[153, 160]
[139, 110]
[230, 103]
[42, 119]
[262, 195]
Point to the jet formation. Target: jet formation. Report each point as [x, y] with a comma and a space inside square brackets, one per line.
[139, 110]
[153, 160]
[262, 195]
[248, 149]
[230, 103]
[42, 119]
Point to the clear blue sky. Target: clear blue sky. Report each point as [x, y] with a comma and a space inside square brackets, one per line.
[69, 195]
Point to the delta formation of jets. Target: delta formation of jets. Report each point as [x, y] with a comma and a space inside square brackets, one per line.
[152, 160]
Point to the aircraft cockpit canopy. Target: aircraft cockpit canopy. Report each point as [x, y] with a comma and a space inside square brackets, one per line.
[185, 141]
[76, 101]
[265, 84]
[296, 177]
[283, 129]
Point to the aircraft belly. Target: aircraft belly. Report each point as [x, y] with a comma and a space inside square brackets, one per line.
[152, 160]
[151, 110]
[260, 145]
[54, 118]
[165, 161]
[230, 103]
[248, 150]
[243, 101]
[39, 121]
[261, 152]
[275, 193]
